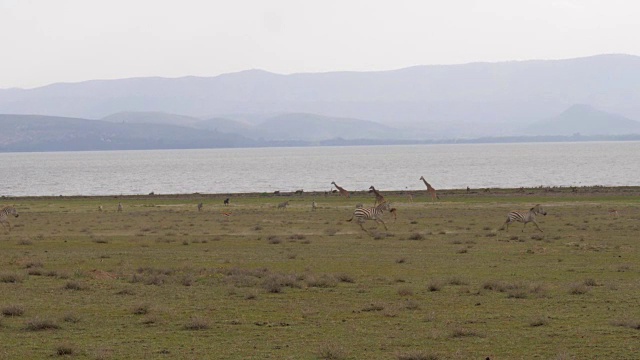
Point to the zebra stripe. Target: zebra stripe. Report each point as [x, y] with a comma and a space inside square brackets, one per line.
[519, 216]
[4, 215]
[362, 214]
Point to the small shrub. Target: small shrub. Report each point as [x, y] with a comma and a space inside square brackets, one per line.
[628, 323]
[25, 242]
[141, 309]
[71, 318]
[578, 289]
[196, 323]
[346, 278]
[331, 352]
[33, 264]
[401, 260]
[416, 236]
[274, 239]
[590, 282]
[38, 324]
[457, 281]
[324, 281]
[13, 310]
[539, 321]
[405, 291]
[373, 307]
[417, 355]
[65, 349]
[125, 292]
[11, 278]
[74, 285]
[460, 332]
[434, 285]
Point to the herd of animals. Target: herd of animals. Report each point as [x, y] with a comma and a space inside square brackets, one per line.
[361, 214]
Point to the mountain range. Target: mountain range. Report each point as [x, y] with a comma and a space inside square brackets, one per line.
[590, 96]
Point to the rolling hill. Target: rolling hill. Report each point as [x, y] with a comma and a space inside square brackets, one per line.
[585, 120]
[444, 100]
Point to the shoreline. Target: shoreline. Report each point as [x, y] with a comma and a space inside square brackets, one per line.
[479, 192]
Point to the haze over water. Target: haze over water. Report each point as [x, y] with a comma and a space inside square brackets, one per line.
[314, 168]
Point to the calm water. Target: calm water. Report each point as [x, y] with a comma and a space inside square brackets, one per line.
[313, 168]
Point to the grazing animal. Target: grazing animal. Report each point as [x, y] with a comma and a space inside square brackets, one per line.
[524, 218]
[299, 192]
[430, 189]
[4, 215]
[283, 205]
[100, 208]
[394, 212]
[613, 212]
[226, 202]
[342, 191]
[200, 206]
[314, 205]
[379, 197]
[119, 207]
[374, 213]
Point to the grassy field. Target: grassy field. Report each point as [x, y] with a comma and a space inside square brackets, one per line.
[161, 280]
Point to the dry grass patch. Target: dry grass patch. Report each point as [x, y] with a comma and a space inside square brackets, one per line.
[417, 355]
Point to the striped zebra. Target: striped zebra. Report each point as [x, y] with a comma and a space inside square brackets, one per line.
[524, 218]
[375, 213]
[4, 215]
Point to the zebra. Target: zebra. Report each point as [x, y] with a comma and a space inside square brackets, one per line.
[4, 215]
[200, 205]
[524, 217]
[119, 207]
[283, 205]
[362, 214]
[314, 205]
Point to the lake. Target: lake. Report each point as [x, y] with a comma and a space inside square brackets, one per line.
[452, 166]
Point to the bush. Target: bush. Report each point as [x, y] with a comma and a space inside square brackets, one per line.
[38, 324]
[196, 323]
[13, 310]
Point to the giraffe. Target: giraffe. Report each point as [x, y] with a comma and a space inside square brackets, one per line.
[379, 197]
[430, 189]
[342, 191]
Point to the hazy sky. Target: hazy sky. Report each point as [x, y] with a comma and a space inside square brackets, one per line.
[46, 41]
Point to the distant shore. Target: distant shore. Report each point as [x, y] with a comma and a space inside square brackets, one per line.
[443, 193]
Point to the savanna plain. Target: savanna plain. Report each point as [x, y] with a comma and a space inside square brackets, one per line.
[162, 280]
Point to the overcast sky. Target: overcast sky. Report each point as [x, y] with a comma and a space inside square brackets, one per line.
[46, 41]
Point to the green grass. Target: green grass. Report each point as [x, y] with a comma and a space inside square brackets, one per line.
[162, 280]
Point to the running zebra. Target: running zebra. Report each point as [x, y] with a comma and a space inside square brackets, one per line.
[375, 213]
[524, 217]
[4, 215]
